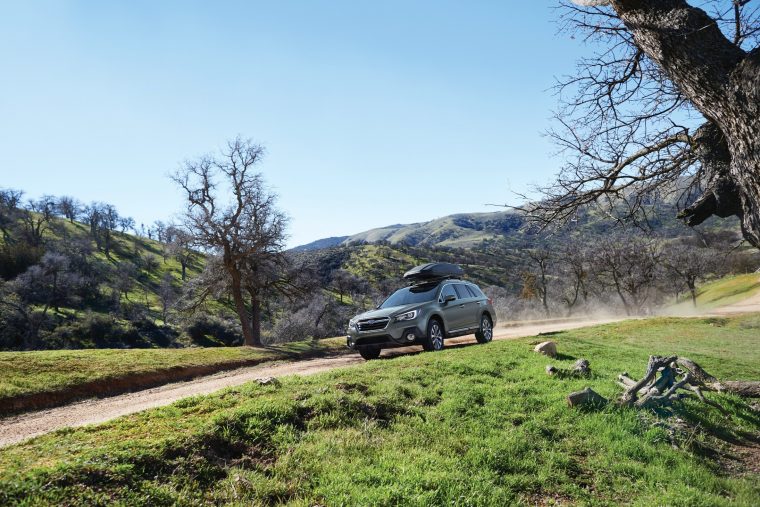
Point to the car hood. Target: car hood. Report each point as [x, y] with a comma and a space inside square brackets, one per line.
[388, 312]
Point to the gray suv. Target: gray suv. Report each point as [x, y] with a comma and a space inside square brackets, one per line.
[435, 307]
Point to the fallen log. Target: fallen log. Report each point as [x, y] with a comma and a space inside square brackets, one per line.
[665, 376]
[743, 388]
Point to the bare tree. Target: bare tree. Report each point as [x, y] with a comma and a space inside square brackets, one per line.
[160, 229]
[37, 219]
[14, 308]
[126, 224]
[167, 294]
[248, 232]
[50, 283]
[9, 210]
[69, 207]
[689, 264]
[630, 266]
[150, 263]
[109, 221]
[624, 119]
[344, 281]
[541, 257]
[575, 270]
[126, 273]
[179, 246]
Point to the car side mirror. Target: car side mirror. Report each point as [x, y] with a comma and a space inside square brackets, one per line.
[449, 298]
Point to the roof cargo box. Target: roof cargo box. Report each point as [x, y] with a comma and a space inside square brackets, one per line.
[432, 271]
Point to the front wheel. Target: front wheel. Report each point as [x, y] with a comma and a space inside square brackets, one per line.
[369, 353]
[433, 341]
[485, 333]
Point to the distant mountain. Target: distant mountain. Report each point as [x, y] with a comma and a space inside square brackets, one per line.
[320, 244]
[463, 230]
[471, 230]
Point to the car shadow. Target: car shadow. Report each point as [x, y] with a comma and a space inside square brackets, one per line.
[390, 353]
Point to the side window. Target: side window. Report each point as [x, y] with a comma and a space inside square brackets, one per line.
[476, 291]
[447, 290]
[462, 291]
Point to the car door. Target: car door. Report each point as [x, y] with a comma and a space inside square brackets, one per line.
[454, 313]
[469, 304]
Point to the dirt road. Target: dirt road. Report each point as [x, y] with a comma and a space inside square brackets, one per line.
[751, 304]
[22, 427]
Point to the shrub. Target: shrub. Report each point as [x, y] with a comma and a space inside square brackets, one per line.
[208, 331]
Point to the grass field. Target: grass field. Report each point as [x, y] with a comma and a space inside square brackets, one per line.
[724, 291]
[475, 425]
[24, 373]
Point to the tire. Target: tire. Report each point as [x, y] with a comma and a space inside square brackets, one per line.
[433, 340]
[369, 353]
[485, 333]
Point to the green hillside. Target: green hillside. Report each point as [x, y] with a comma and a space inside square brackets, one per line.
[722, 292]
[382, 264]
[118, 298]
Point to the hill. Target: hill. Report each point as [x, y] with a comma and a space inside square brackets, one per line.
[320, 244]
[721, 292]
[473, 230]
[84, 289]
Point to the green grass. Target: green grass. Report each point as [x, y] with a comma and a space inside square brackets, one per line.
[477, 425]
[724, 291]
[50, 370]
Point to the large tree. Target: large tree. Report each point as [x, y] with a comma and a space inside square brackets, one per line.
[670, 103]
[232, 214]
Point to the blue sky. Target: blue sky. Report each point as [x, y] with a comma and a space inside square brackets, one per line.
[372, 113]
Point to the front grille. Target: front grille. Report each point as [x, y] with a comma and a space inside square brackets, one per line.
[373, 324]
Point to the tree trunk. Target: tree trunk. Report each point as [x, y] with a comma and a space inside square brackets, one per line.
[693, 291]
[720, 79]
[242, 311]
[255, 320]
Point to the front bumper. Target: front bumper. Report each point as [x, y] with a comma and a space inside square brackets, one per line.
[392, 336]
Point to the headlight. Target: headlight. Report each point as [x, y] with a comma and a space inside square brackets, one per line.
[351, 323]
[407, 316]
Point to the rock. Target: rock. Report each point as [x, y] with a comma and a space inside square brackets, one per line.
[267, 381]
[586, 397]
[547, 349]
[581, 367]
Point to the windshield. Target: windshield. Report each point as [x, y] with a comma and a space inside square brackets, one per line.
[411, 295]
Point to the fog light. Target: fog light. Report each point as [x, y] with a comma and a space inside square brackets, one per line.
[410, 337]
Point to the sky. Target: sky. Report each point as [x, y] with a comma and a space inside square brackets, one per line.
[372, 113]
